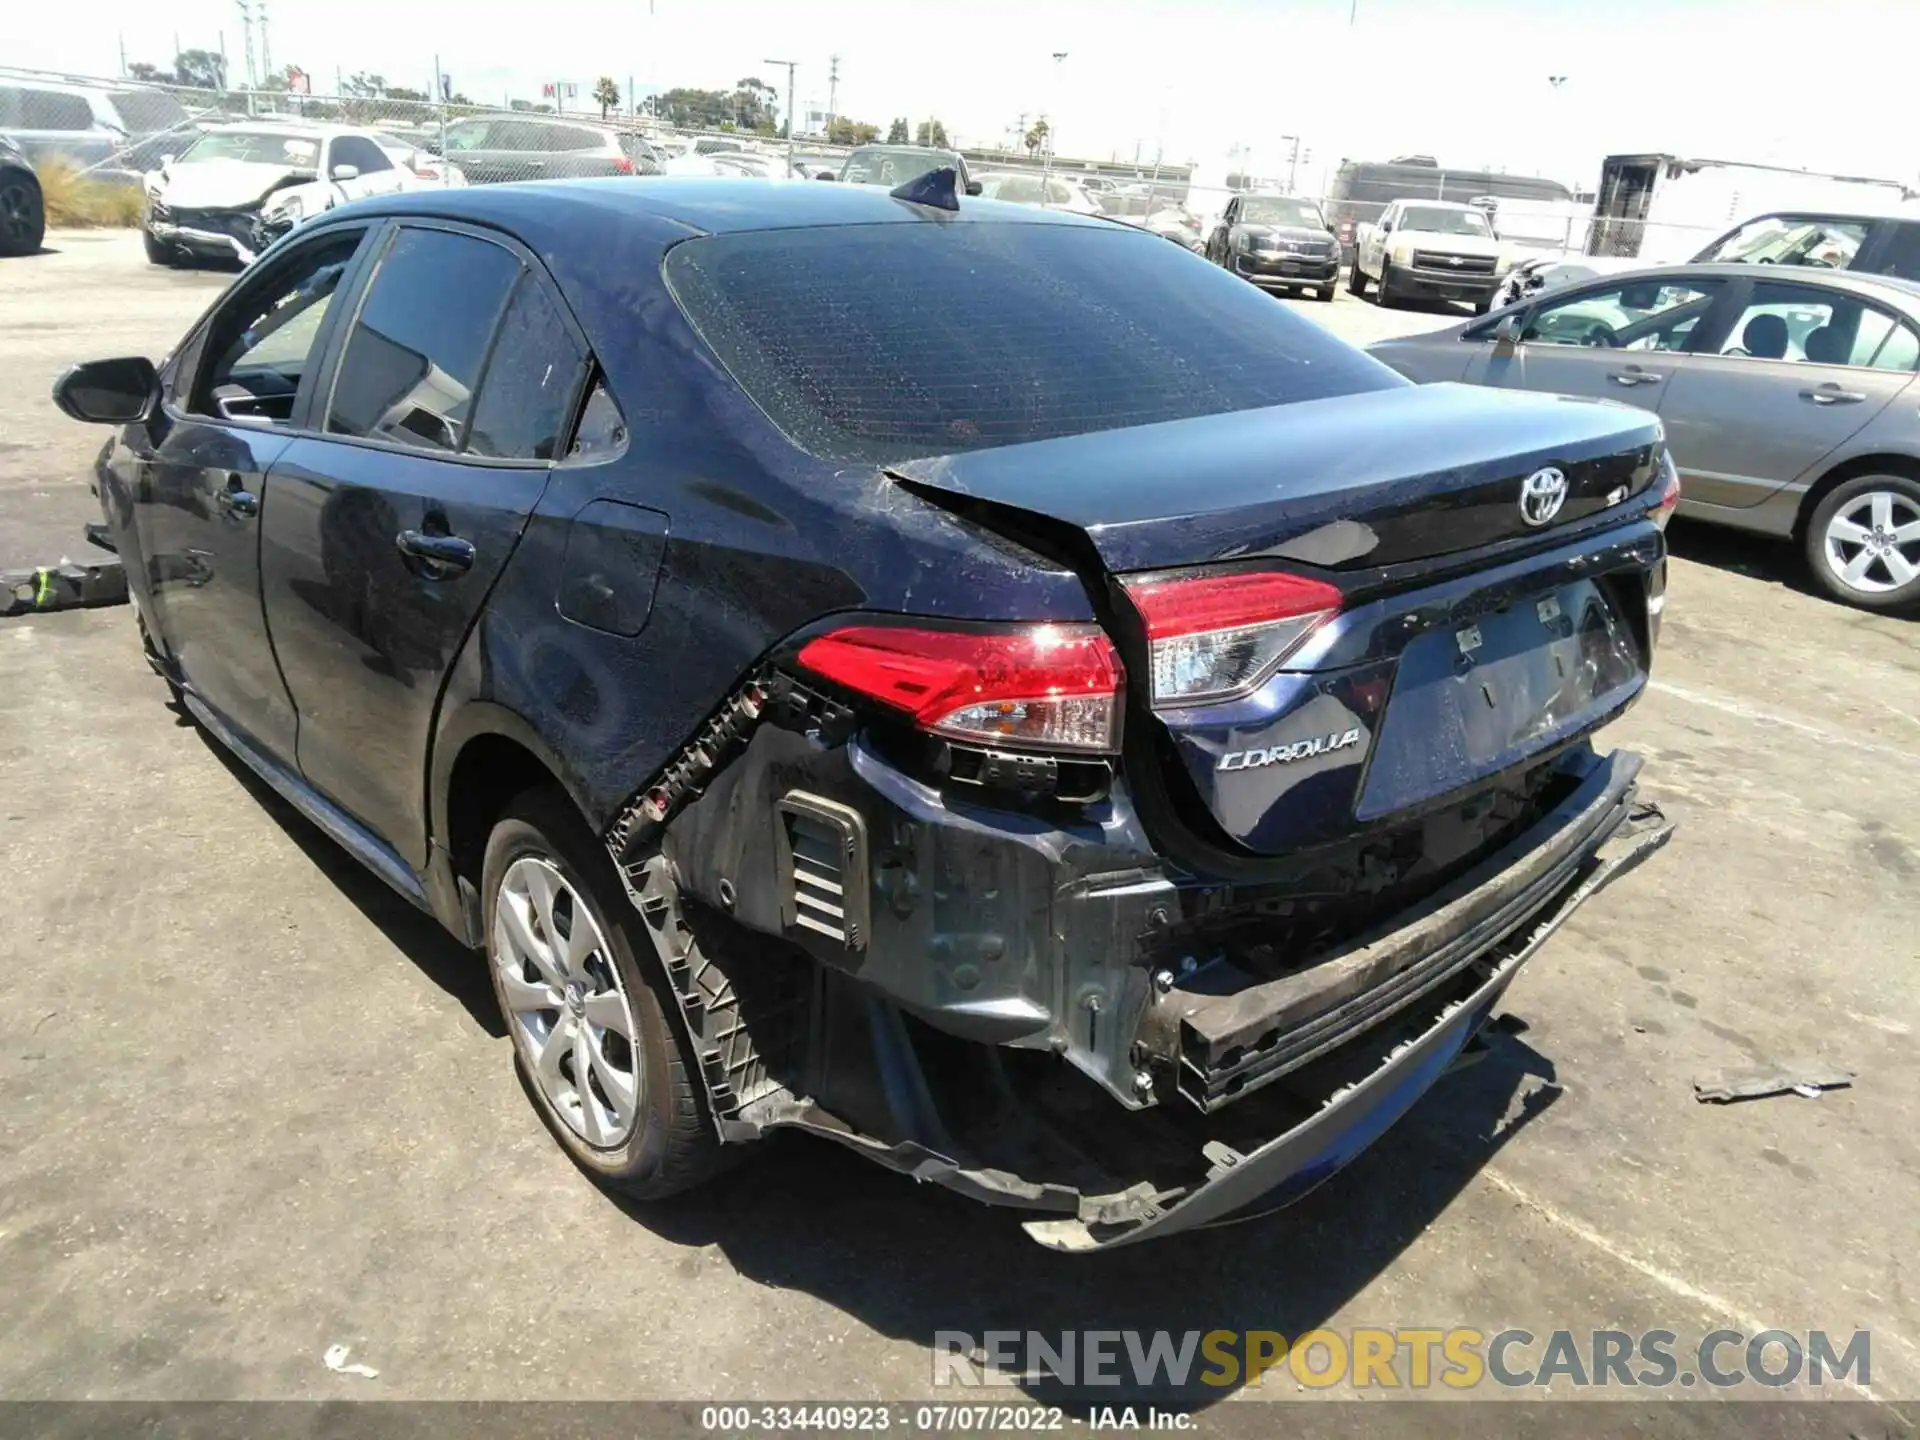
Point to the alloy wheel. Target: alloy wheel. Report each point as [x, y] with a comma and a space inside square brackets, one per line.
[18, 213]
[565, 1003]
[1872, 543]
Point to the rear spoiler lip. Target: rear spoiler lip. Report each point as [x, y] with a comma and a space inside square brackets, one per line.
[1239, 485]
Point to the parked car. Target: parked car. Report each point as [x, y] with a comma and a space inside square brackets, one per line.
[491, 149]
[240, 187]
[128, 168]
[1430, 250]
[1024, 187]
[893, 165]
[1873, 244]
[82, 124]
[23, 209]
[1787, 397]
[871, 741]
[1277, 242]
[1175, 223]
[416, 156]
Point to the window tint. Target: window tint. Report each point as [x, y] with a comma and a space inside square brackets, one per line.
[416, 351]
[141, 111]
[569, 137]
[358, 151]
[882, 342]
[527, 397]
[1800, 324]
[1641, 316]
[1784, 240]
[1902, 255]
[23, 108]
[602, 431]
[262, 342]
[1901, 351]
[468, 135]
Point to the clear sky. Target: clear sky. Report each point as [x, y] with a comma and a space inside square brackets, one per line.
[1827, 87]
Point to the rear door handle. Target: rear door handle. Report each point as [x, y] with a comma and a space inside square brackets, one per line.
[445, 555]
[1635, 377]
[1833, 395]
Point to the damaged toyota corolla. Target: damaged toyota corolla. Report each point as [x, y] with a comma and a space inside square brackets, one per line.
[974, 683]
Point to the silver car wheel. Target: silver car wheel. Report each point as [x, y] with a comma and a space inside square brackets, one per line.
[565, 1003]
[1873, 542]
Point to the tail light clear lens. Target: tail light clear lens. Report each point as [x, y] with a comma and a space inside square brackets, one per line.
[1668, 500]
[1050, 687]
[1212, 637]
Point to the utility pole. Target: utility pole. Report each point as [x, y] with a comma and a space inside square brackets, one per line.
[266, 50]
[1293, 161]
[1046, 170]
[123, 54]
[246, 27]
[833, 93]
[790, 69]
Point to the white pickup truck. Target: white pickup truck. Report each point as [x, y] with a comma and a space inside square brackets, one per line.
[1431, 249]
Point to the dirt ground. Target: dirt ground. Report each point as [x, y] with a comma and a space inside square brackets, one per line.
[252, 1105]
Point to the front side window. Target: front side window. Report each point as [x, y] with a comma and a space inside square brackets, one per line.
[265, 341]
[365, 156]
[1434, 220]
[421, 339]
[886, 342]
[467, 135]
[1640, 316]
[1802, 325]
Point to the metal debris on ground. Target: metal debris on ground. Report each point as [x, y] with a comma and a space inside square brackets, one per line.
[66, 586]
[1797, 1077]
[336, 1358]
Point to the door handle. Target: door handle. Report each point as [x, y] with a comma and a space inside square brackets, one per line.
[1833, 395]
[1635, 377]
[445, 555]
[236, 499]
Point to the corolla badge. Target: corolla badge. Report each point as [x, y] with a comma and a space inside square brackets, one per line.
[1541, 495]
[1287, 754]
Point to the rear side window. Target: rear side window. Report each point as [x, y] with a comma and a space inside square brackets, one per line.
[24, 108]
[1902, 256]
[567, 137]
[421, 339]
[527, 397]
[885, 342]
[143, 110]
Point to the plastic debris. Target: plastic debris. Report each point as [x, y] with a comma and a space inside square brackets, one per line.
[1793, 1077]
[336, 1358]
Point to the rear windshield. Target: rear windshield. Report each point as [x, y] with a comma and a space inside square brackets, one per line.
[885, 342]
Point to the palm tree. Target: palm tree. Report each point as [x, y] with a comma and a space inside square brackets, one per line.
[1037, 136]
[607, 93]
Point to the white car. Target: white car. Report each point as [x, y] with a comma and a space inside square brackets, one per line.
[1430, 250]
[1022, 187]
[413, 155]
[240, 187]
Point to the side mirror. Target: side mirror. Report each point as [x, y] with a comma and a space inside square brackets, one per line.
[1386, 227]
[346, 172]
[1507, 333]
[165, 161]
[973, 187]
[826, 175]
[109, 392]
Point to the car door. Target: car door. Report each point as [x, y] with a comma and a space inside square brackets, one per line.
[1218, 243]
[1622, 340]
[229, 410]
[1376, 247]
[1795, 373]
[435, 438]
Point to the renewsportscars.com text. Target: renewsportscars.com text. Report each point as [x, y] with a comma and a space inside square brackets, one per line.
[1403, 1359]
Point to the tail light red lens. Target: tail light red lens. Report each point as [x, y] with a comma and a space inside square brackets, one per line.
[1668, 497]
[1213, 637]
[622, 165]
[1050, 687]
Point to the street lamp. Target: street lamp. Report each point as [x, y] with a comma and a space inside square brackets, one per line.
[1046, 170]
[789, 64]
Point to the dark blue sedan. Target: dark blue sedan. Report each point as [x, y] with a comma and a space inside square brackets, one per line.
[978, 684]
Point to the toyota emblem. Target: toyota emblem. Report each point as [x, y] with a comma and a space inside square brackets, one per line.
[1541, 496]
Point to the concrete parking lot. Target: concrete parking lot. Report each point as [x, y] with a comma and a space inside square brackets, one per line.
[251, 1105]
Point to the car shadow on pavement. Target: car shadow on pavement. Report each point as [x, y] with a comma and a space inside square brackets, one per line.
[910, 1261]
[1779, 562]
[416, 934]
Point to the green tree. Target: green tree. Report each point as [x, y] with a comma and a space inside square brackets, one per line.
[607, 94]
[843, 131]
[1037, 135]
[403, 92]
[897, 132]
[141, 70]
[205, 69]
[931, 132]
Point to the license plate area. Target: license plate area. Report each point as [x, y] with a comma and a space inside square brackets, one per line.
[1473, 699]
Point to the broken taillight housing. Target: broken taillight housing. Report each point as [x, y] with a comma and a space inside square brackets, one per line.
[1046, 687]
[1212, 637]
[1667, 496]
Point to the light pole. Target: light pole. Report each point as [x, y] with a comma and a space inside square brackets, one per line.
[1046, 170]
[789, 64]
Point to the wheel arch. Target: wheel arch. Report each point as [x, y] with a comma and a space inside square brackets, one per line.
[1875, 462]
[485, 755]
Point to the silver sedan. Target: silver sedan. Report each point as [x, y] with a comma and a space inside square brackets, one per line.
[1788, 398]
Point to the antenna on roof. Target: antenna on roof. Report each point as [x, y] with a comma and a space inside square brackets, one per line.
[937, 188]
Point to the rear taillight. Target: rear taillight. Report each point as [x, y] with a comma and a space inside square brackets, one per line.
[1212, 637]
[622, 165]
[1050, 687]
[1667, 495]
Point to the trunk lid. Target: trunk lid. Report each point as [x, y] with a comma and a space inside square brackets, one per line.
[1403, 698]
[1369, 479]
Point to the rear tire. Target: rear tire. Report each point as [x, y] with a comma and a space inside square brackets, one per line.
[23, 215]
[1853, 531]
[1323, 294]
[1383, 297]
[638, 1123]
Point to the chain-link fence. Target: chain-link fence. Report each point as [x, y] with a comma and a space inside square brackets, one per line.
[112, 134]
